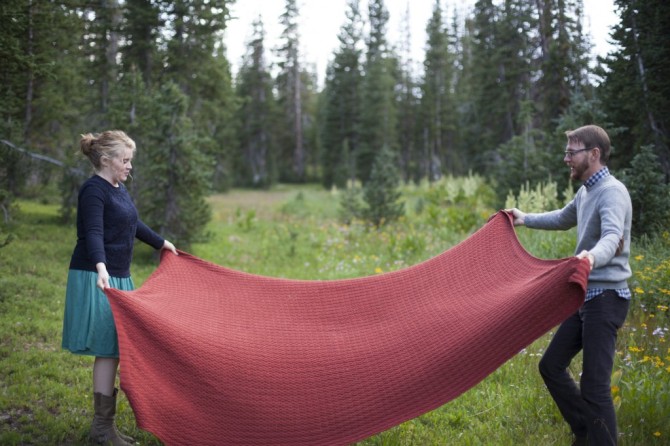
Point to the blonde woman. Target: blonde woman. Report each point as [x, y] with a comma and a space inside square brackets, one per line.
[107, 225]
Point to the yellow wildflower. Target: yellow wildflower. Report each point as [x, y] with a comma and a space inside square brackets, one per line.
[639, 257]
[657, 434]
[639, 290]
[378, 270]
[615, 390]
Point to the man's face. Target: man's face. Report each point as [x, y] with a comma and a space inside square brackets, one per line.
[578, 159]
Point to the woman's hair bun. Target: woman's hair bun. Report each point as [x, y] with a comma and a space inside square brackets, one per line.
[86, 143]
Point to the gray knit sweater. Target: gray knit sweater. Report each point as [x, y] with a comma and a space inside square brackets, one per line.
[603, 215]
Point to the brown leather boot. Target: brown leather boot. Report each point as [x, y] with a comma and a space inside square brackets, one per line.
[103, 429]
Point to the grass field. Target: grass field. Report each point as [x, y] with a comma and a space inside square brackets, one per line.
[45, 393]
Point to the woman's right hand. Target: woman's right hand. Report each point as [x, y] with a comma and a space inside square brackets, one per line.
[170, 247]
[103, 276]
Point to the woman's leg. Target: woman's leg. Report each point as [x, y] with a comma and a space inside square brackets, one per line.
[103, 429]
[104, 375]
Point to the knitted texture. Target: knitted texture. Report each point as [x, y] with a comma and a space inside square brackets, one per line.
[214, 356]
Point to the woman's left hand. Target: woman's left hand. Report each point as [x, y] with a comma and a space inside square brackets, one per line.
[170, 247]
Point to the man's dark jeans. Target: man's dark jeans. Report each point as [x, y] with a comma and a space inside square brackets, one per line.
[588, 408]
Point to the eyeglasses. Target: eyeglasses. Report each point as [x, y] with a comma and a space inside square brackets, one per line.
[571, 153]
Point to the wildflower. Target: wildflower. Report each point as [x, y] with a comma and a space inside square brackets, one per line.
[378, 270]
[635, 349]
[657, 434]
[615, 390]
[662, 307]
[639, 290]
[640, 257]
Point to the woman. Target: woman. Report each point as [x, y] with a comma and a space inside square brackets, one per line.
[107, 224]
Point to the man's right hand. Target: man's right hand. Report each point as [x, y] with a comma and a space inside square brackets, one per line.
[519, 217]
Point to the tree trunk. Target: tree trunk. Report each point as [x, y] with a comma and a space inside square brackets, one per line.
[28, 117]
[659, 135]
[299, 153]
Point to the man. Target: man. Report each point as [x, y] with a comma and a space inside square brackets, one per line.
[602, 212]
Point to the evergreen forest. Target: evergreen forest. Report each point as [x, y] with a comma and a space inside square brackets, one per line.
[493, 96]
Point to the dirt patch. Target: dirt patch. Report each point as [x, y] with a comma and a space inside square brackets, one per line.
[14, 418]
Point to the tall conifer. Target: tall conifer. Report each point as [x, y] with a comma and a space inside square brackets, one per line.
[378, 106]
[341, 113]
[290, 91]
[256, 161]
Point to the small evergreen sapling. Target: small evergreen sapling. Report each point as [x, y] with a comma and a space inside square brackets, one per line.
[381, 192]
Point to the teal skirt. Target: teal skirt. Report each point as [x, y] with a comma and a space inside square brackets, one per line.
[88, 324]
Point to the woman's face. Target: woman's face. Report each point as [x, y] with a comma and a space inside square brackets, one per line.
[118, 168]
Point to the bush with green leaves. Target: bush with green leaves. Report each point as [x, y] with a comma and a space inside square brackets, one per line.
[459, 204]
[541, 198]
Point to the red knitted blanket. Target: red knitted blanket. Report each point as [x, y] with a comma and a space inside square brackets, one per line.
[214, 356]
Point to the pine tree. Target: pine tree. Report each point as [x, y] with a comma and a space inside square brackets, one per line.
[378, 106]
[290, 88]
[381, 192]
[636, 86]
[42, 90]
[649, 193]
[172, 175]
[256, 162]
[101, 50]
[341, 111]
[563, 53]
[437, 109]
[408, 105]
[196, 62]
[142, 27]
[500, 67]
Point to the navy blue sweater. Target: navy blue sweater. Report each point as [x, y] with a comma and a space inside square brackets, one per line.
[107, 224]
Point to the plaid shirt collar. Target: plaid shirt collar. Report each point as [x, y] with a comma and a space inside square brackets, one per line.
[602, 173]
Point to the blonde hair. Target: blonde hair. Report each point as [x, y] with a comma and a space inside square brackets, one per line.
[108, 144]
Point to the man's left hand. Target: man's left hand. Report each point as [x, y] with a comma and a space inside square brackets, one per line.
[587, 255]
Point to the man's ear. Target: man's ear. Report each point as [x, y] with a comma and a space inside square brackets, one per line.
[596, 153]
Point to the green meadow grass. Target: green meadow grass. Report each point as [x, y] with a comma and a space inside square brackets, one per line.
[45, 393]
